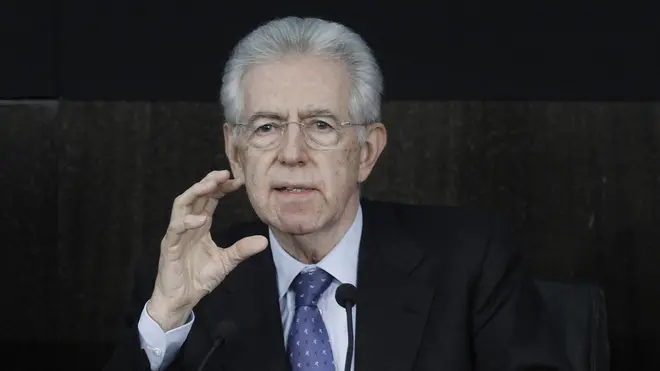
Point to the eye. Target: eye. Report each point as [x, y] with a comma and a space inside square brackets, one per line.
[264, 129]
[321, 125]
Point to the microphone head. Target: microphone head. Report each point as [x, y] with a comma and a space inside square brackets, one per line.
[346, 295]
[225, 329]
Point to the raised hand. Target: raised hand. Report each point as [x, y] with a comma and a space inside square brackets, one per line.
[191, 265]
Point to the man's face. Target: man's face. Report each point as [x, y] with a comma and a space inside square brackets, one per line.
[293, 187]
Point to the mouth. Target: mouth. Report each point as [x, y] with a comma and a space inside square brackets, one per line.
[294, 190]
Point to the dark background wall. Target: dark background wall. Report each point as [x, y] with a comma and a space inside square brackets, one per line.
[546, 114]
[89, 186]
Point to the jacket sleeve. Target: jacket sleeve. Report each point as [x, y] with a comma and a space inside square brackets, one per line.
[128, 354]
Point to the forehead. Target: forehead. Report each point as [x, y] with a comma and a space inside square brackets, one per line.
[297, 83]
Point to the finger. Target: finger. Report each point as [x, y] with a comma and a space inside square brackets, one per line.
[212, 201]
[244, 249]
[183, 203]
[214, 177]
[217, 175]
[209, 208]
[226, 187]
[201, 188]
[199, 204]
[179, 227]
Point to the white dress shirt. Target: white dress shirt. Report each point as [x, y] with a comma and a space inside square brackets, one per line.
[162, 347]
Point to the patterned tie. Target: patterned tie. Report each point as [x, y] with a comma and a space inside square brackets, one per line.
[308, 344]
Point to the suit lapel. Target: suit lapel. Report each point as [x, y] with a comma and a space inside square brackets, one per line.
[391, 312]
[393, 301]
[248, 297]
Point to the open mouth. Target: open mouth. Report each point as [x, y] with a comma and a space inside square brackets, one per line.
[293, 190]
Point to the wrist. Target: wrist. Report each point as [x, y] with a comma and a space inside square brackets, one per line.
[165, 316]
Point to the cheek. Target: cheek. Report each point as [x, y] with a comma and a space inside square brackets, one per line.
[252, 179]
[255, 171]
[351, 157]
[345, 165]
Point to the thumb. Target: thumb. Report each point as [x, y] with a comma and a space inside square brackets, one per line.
[244, 249]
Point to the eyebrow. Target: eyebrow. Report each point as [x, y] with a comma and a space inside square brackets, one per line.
[263, 114]
[316, 112]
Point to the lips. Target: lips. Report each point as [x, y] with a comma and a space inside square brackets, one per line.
[294, 188]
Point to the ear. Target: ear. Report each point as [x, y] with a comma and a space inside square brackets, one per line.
[232, 151]
[375, 142]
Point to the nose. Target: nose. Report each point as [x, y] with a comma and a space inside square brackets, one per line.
[292, 150]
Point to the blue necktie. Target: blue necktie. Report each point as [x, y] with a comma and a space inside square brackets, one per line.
[308, 343]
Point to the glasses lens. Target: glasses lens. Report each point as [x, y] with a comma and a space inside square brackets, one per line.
[318, 132]
[322, 132]
[264, 133]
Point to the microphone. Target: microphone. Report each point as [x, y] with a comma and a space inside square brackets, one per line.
[225, 329]
[346, 296]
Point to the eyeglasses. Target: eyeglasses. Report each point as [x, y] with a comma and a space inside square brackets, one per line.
[319, 133]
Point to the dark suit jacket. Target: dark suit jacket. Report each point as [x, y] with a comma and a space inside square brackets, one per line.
[440, 288]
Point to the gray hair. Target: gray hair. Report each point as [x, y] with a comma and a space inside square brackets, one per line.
[293, 35]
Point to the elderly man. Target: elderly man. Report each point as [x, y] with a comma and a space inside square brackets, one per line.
[439, 288]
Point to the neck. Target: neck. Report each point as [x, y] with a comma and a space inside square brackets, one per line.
[313, 247]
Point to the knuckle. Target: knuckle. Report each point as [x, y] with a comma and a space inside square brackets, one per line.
[225, 261]
[198, 188]
[189, 222]
[222, 262]
[176, 226]
[234, 255]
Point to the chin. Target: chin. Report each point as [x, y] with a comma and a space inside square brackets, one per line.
[297, 214]
[292, 227]
[302, 217]
[297, 222]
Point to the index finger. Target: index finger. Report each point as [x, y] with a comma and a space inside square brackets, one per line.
[203, 187]
[223, 189]
[228, 186]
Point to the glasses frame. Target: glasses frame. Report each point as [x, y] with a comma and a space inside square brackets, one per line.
[311, 143]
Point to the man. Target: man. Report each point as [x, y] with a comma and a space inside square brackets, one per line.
[439, 288]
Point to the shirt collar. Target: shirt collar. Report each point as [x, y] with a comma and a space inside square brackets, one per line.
[341, 262]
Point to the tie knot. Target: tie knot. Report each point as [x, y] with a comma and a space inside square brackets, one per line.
[308, 286]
